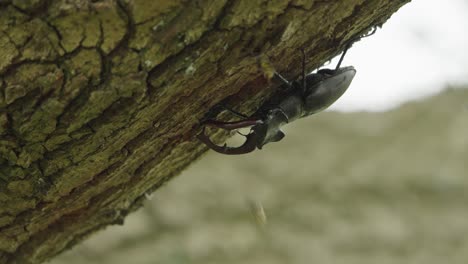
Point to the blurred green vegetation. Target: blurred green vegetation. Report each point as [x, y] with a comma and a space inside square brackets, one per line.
[347, 188]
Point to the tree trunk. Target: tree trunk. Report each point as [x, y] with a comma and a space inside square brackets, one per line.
[100, 100]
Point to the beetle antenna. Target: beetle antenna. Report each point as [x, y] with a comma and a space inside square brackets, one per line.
[304, 81]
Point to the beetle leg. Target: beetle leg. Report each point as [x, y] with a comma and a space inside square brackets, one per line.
[304, 82]
[374, 29]
[269, 71]
[282, 79]
[342, 56]
[249, 145]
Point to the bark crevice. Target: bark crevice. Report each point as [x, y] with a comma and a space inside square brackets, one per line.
[100, 100]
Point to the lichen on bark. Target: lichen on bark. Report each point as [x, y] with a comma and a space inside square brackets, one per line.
[100, 100]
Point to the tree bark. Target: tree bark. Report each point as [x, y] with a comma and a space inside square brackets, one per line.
[100, 100]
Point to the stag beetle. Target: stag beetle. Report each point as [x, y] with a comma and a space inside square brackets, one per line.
[315, 93]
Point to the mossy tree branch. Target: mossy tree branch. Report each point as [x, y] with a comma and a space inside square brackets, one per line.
[100, 100]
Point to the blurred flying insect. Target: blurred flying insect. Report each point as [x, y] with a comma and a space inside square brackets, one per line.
[256, 208]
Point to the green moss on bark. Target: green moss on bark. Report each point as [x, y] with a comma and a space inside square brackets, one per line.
[100, 100]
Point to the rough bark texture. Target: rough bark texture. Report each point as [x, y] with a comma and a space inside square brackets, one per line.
[326, 203]
[100, 100]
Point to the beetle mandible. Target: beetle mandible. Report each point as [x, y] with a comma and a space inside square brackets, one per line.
[315, 93]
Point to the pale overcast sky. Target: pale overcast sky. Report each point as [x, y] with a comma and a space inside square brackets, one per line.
[420, 51]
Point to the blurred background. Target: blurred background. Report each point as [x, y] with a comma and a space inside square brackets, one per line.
[381, 178]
